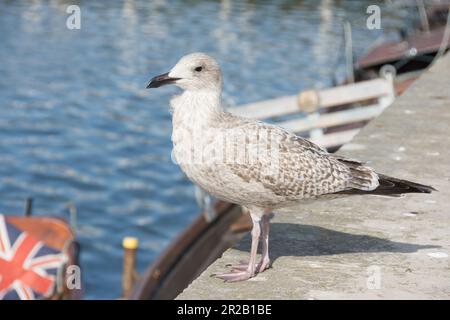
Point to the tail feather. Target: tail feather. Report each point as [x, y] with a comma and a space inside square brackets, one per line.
[389, 186]
[399, 186]
[366, 181]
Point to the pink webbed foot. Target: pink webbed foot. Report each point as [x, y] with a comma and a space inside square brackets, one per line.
[263, 265]
[234, 276]
[243, 266]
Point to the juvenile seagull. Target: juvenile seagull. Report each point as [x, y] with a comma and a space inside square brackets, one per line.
[257, 165]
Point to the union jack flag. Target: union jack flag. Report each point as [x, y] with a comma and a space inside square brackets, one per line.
[28, 268]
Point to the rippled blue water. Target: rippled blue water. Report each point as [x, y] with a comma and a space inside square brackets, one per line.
[76, 123]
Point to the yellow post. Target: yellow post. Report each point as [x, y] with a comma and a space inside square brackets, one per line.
[130, 246]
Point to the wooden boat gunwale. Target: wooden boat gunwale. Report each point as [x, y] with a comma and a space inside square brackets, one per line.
[190, 244]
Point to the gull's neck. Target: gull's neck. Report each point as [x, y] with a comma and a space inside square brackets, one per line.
[197, 106]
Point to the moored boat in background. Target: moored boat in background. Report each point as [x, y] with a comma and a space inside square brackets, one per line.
[38, 258]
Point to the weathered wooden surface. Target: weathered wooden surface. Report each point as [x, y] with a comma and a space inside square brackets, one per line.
[380, 92]
[366, 247]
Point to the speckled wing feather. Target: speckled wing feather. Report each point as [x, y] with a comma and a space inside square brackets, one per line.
[303, 170]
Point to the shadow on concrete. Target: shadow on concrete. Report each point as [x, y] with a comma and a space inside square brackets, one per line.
[288, 239]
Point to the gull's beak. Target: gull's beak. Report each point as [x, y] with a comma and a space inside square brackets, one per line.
[161, 80]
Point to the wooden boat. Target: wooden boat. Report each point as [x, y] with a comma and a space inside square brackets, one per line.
[405, 60]
[38, 258]
[415, 52]
[191, 253]
[408, 57]
[436, 16]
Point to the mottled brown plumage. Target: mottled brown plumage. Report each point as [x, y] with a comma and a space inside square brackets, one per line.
[257, 165]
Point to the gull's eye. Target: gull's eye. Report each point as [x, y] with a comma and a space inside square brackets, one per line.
[198, 69]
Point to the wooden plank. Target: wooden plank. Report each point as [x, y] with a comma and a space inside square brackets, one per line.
[332, 119]
[335, 139]
[332, 97]
[268, 108]
[360, 91]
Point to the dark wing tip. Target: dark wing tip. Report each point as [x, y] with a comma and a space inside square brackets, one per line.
[427, 189]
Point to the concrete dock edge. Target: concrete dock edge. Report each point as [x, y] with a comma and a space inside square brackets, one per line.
[366, 247]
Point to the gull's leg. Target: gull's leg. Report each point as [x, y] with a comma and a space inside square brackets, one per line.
[265, 260]
[250, 271]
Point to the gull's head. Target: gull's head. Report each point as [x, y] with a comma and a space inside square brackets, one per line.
[195, 71]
